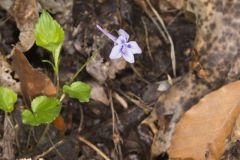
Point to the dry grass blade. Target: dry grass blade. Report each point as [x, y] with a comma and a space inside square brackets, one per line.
[103, 155]
[202, 131]
[25, 13]
[49, 150]
[172, 51]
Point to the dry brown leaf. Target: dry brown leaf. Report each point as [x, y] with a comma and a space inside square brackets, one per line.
[98, 93]
[236, 131]
[33, 82]
[203, 129]
[97, 69]
[6, 4]
[102, 71]
[121, 100]
[8, 140]
[25, 13]
[6, 76]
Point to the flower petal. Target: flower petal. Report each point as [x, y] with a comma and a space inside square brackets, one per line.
[109, 35]
[128, 56]
[116, 52]
[133, 47]
[121, 40]
[123, 33]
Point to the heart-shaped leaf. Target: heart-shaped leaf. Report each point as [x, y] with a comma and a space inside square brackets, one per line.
[44, 110]
[7, 99]
[79, 90]
[49, 35]
[48, 32]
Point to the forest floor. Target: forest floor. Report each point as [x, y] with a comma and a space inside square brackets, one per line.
[123, 94]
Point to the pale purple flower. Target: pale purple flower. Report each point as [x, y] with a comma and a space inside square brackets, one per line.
[122, 48]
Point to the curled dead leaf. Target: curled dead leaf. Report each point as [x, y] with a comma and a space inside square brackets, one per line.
[6, 77]
[33, 82]
[98, 93]
[102, 71]
[60, 125]
[121, 100]
[203, 129]
[25, 13]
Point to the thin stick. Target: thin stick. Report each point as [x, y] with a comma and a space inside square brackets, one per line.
[49, 150]
[85, 64]
[11, 121]
[103, 155]
[81, 68]
[29, 137]
[147, 41]
[173, 58]
[54, 147]
[138, 103]
[43, 134]
[116, 136]
[138, 74]
[81, 120]
[158, 27]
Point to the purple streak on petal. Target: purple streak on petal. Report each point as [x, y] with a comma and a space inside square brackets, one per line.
[128, 56]
[109, 35]
[133, 47]
[121, 32]
[116, 52]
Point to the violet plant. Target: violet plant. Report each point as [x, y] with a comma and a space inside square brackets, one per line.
[50, 35]
[122, 48]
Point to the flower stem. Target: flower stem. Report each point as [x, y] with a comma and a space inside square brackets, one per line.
[56, 55]
[84, 65]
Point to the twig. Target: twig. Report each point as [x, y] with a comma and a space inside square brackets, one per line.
[138, 103]
[173, 20]
[147, 41]
[81, 119]
[103, 155]
[29, 137]
[49, 150]
[15, 127]
[81, 68]
[116, 136]
[138, 74]
[4, 20]
[85, 64]
[173, 58]
[54, 147]
[158, 27]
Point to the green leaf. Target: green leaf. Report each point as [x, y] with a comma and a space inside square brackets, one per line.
[48, 33]
[7, 99]
[44, 110]
[79, 90]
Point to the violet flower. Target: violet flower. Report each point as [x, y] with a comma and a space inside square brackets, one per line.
[122, 48]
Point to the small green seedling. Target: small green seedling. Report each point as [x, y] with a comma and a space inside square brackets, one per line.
[7, 99]
[78, 90]
[50, 35]
[44, 110]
